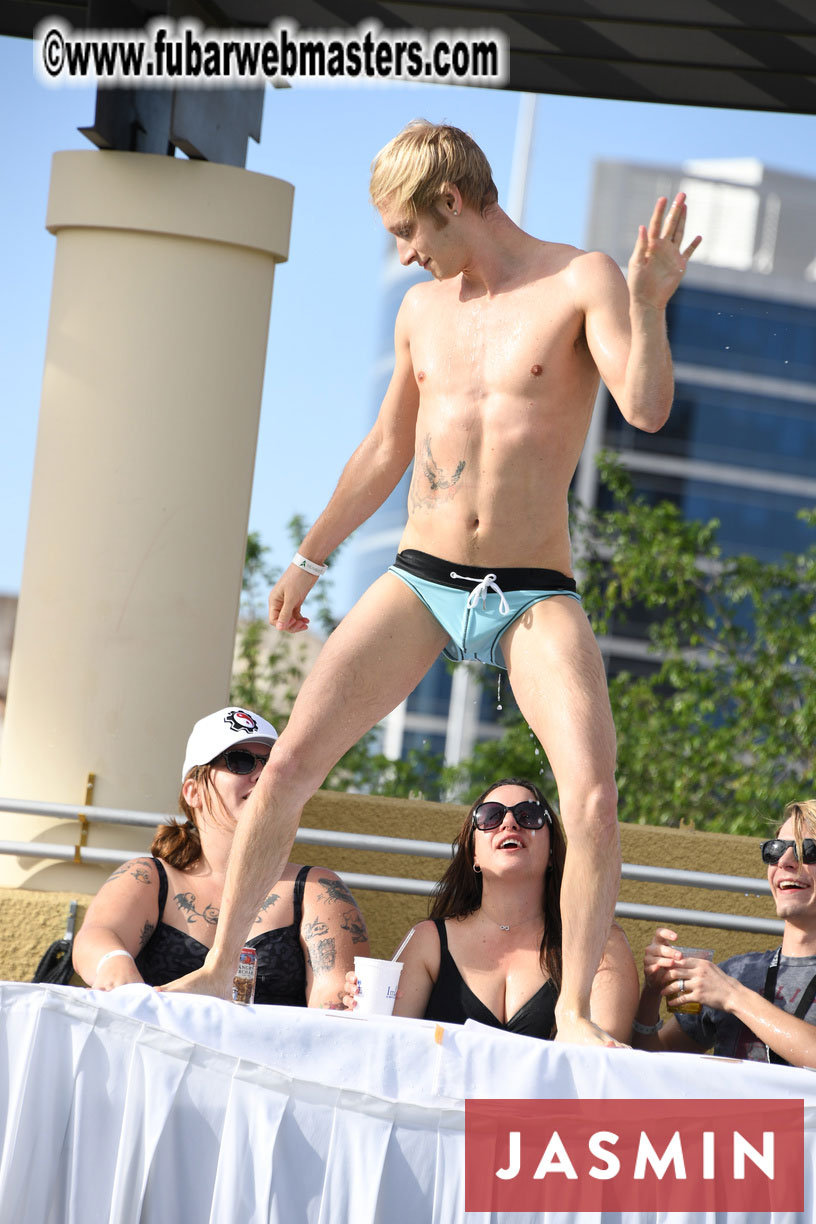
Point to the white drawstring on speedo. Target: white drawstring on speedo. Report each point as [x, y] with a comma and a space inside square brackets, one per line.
[480, 591]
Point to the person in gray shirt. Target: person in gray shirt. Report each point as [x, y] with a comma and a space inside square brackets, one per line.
[760, 1005]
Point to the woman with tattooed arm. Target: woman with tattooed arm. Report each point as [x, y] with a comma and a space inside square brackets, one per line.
[155, 918]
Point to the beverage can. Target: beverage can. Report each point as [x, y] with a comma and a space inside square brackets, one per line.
[243, 984]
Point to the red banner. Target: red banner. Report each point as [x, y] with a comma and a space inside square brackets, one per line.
[643, 1155]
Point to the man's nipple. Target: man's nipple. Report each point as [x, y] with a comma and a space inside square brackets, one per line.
[536, 369]
[420, 375]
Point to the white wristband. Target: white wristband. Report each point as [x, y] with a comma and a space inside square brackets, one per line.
[647, 1029]
[311, 567]
[108, 955]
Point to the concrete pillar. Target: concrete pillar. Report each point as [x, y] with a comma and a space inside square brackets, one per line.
[143, 472]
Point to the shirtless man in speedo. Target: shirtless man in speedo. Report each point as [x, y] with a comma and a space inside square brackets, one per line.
[497, 366]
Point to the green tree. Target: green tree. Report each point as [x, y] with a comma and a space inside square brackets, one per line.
[418, 775]
[721, 735]
[516, 754]
[270, 668]
[718, 734]
[266, 675]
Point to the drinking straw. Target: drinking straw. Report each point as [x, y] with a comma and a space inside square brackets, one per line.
[401, 948]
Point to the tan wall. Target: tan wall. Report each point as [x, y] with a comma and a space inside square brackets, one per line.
[154, 366]
[30, 921]
[389, 916]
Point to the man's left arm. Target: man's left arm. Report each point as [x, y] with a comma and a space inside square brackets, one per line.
[626, 326]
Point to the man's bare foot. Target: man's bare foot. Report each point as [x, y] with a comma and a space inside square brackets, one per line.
[201, 981]
[581, 1031]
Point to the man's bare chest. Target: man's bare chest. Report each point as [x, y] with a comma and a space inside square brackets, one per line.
[509, 346]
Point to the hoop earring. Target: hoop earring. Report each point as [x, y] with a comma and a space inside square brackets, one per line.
[477, 869]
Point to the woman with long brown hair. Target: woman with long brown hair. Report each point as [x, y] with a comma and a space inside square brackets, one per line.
[491, 950]
[155, 918]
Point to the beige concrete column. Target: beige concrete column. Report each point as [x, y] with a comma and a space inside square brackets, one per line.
[140, 500]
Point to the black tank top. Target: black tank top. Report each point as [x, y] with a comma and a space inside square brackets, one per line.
[170, 953]
[453, 1000]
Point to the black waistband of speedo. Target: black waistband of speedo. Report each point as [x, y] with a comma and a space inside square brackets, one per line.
[515, 578]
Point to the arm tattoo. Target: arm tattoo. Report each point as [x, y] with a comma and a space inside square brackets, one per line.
[312, 929]
[270, 900]
[322, 957]
[339, 1005]
[144, 938]
[353, 922]
[186, 903]
[335, 891]
[137, 869]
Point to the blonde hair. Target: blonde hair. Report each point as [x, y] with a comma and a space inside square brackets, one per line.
[803, 815]
[414, 168]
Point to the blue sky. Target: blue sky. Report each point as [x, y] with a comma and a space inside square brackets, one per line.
[326, 311]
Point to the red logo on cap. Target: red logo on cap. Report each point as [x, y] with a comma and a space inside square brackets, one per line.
[239, 720]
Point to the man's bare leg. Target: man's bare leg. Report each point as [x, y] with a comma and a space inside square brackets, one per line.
[375, 657]
[557, 675]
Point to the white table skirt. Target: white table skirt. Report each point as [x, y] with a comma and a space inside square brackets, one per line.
[139, 1108]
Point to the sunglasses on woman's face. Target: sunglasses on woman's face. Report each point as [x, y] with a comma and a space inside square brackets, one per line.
[529, 814]
[240, 760]
[773, 850]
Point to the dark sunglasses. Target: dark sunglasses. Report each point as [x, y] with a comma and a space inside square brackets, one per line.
[529, 814]
[240, 760]
[773, 850]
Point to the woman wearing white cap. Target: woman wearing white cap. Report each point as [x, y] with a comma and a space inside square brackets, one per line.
[155, 918]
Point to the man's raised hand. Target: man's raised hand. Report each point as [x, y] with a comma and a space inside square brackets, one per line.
[658, 261]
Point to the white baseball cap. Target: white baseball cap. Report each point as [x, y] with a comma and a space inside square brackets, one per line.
[228, 728]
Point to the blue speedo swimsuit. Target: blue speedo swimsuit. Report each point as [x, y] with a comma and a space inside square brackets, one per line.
[475, 605]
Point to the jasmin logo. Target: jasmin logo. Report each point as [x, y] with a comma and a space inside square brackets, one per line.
[624, 1155]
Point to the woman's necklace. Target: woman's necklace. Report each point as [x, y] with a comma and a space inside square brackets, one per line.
[504, 926]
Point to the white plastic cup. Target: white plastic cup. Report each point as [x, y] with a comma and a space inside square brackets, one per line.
[377, 981]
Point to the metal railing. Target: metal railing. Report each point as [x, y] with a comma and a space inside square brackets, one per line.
[81, 853]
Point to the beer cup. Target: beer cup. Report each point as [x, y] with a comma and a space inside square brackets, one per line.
[689, 1008]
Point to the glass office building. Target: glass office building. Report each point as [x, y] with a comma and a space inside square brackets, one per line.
[740, 445]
